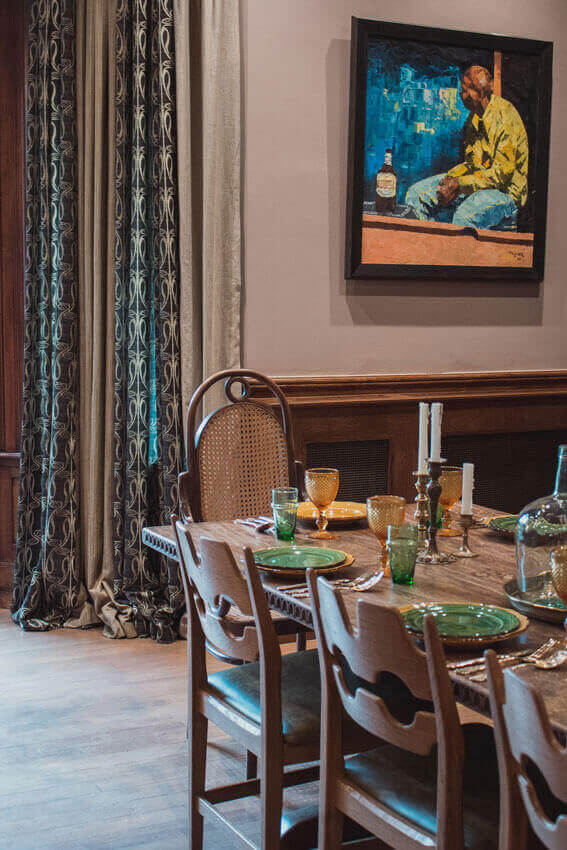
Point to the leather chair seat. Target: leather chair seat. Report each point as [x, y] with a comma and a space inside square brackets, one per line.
[301, 698]
[301, 694]
[407, 784]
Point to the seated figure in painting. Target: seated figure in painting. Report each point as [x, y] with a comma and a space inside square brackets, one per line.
[491, 185]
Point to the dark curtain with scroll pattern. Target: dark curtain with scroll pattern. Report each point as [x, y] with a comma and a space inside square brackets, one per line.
[147, 297]
[48, 589]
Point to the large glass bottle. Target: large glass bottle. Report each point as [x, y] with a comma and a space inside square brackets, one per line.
[542, 528]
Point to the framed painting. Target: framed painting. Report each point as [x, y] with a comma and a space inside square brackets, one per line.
[448, 154]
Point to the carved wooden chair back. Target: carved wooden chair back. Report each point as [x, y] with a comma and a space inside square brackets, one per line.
[378, 643]
[216, 588]
[238, 453]
[526, 740]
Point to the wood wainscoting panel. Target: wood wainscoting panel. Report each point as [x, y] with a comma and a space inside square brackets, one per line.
[384, 407]
[9, 472]
[12, 233]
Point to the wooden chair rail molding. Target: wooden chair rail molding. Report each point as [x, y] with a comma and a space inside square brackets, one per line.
[384, 407]
[385, 389]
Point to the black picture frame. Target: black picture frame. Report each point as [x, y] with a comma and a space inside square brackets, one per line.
[367, 32]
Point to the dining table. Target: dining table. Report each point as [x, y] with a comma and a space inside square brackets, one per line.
[466, 580]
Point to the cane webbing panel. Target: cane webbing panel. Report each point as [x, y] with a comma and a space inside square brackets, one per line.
[512, 469]
[362, 465]
[241, 454]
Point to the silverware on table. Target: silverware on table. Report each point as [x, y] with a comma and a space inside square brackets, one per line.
[360, 583]
[478, 661]
[550, 662]
[473, 665]
[261, 524]
[544, 651]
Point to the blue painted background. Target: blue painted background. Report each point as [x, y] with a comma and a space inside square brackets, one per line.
[413, 106]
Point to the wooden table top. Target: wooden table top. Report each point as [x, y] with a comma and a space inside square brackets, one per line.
[467, 580]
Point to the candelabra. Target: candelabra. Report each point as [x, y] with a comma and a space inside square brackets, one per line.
[466, 521]
[431, 554]
[422, 507]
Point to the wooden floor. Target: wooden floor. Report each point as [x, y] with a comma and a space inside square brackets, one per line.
[92, 745]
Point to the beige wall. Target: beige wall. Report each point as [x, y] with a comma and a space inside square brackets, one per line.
[300, 315]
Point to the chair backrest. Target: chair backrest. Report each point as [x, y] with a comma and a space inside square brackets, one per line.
[378, 643]
[238, 453]
[214, 584]
[526, 740]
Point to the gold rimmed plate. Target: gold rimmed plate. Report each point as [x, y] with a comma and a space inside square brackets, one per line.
[463, 625]
[338, 513]
[284, 561]
[505, 526]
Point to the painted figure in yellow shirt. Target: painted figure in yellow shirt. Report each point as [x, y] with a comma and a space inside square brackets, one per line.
[491, 185]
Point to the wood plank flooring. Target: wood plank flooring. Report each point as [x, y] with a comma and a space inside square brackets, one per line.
[92, 745]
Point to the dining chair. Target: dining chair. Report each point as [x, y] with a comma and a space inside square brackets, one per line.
[271, 704]
[533, 764]
[235, 456]
[432, 782]
[239, 452]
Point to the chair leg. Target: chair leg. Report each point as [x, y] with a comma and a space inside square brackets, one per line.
[251, 765]
[271, 783]
[197, 755]
[330, 829]
[300, 641]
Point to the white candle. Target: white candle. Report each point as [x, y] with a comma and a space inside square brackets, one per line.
[436, 414]
[423, 435]
[468, 482]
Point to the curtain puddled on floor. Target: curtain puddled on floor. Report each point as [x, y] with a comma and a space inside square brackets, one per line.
[122, 312]
[48, 583]
[146, 337]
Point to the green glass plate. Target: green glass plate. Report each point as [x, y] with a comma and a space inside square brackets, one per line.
[463, 621]
[298, 557]
[505, 525]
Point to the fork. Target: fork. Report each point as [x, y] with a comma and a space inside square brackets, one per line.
[360, 584]
[550, 662]
[537, 655]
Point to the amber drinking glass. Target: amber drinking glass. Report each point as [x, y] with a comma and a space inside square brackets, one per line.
[322, 486]
[451, 481]
[382, 511]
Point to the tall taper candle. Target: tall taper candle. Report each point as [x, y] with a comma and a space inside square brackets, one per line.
[436, 414]
[466, 498]
[423, 429]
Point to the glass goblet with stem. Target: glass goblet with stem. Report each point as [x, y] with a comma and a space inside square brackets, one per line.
[381, 512]
[451, 481]
[322, 486]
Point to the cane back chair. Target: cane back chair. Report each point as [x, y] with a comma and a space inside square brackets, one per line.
[234, 458]
[434, 783]
[533, 765]
[238, 453]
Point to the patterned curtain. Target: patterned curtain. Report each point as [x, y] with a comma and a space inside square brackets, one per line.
[147, 387]
[48, 588]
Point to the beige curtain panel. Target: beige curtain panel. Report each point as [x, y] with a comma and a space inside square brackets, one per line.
[209, 135]
[207, 75]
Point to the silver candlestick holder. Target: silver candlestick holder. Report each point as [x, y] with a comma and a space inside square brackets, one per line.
[422, 507]
[431, 554]
[466, 520]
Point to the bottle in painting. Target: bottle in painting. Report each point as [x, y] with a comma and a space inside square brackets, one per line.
[386, 185]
